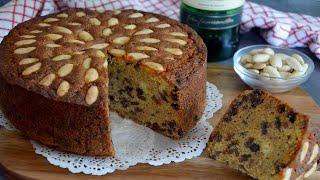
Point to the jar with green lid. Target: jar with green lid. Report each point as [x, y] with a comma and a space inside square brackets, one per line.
[217, 22]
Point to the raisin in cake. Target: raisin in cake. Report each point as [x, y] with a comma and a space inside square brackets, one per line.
[265, 138]
[60, 73]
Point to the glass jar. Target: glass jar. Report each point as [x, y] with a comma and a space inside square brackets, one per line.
[217, 22]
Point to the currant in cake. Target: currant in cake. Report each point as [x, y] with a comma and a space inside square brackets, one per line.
[265, 138]
[60, 74]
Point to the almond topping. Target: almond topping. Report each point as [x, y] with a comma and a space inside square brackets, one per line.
[31, 69]
[163, 26]
[28, 36]
[144, 31]
[152, 20]
[179, 34]
[47, 81]
[35, 31]
[311, 171]
[107, 32]
[178, 41]
[74, 24]
[65, 70]
[80, 14]
[155, 66]
[135, 15]
[28, 61]
[113, 21]
[24, 50]
[24, 42]
[100, 54]
[63, 88]
[138, 56]
[94, 21]
[304, 151]
[75, 41]
[85, 36]
[61, 57]
[174, 51]
[86, 63]
[121, 40]
[44, 25]
[79, 52]
[49, 20]
[150, 40]
[99, 46]
[53, 45]
[130, 26]
[146, 48]
[54, 36]
[91, 75]
[62, 15]
[64, 30]
[92, 95]
[117, 52]
[116, 12]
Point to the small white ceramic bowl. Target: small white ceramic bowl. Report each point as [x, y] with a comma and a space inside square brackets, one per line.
[271, 84]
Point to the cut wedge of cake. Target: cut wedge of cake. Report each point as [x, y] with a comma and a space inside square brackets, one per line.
[265, 138]
[60, 74]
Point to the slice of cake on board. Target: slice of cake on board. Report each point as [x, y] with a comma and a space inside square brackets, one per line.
[265, 138]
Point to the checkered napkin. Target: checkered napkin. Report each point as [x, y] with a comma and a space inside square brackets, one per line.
[280, 28]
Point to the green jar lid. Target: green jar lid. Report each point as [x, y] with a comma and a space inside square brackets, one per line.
[214, 5]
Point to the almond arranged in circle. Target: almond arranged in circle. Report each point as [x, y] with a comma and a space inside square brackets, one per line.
[24, 50]
[138, 56]
[152, 20]
[63, 88]
[91, 75]
[135, 15]
[65, 70]
[61, 57]
[31, 69]
[150, 40]
[113, 21]
[28, 61]
[92, 95]
[155, 66]
[47, 80]
[144, 31]
[85, 36]
[121, 40]
[25, 42]
[174, 51]
[117, 52]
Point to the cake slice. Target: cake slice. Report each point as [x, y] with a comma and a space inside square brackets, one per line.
[265, 138]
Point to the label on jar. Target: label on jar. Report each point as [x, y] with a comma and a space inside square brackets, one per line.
[214, 5]
[197, 20]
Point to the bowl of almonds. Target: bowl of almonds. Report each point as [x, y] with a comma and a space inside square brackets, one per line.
[272, 68]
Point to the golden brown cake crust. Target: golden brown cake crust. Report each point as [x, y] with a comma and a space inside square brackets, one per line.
[45, 64]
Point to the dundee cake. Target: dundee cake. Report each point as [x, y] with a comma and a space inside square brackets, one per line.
[60, 74]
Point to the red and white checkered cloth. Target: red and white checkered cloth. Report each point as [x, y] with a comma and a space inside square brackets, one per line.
[280, 28]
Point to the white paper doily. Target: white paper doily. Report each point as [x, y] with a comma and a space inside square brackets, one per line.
[134, 144]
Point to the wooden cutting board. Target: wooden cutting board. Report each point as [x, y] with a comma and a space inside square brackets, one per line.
[18, 160]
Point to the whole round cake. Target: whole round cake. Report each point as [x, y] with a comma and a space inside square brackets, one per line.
[60, 74]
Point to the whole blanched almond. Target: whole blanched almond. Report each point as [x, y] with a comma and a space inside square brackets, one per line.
[53, 45]
[282, 56]
[49, 20]
[246, 58]
[276, 61]
[31, 69]
[86, 63]
[25, 42]
[256, 51]
[178, 34]
[63, 88]
[146, 48]
[65, 70]
[265, 74]
[24, 50]
[272, 71]
[91, 75]
[284, 74]
[152, 20]
[63, 30]
[161, 26]
[121, 40]
[248, 65]
[117, 52]
[138, 56]
[99, 46]
[54, 36]
[150, 40]
[85, 36]
[268, 51]
[254, 70]
[261, 58]
[62, 15]
[294, 64]
[259, 66]
[299, 58]
[284, 68]
[28, 61]
[178, 41]
[62, 57]
[155, 66]
[92, 95]
[314, 154]
[47, 80]
[95, 21]
[130, 26]
[107, 32]
[113, 21]
[174, 51]
[143, 31]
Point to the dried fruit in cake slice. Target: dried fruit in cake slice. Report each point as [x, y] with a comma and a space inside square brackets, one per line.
[265, 138]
